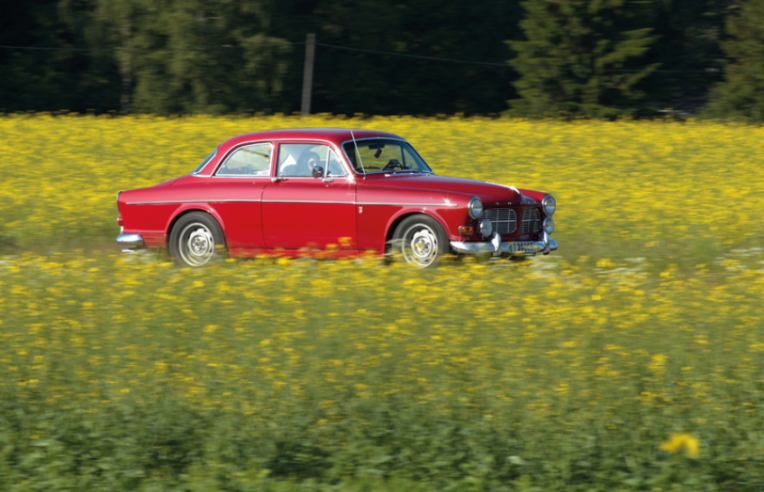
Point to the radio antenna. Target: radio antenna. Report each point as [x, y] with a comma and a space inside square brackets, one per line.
[358, 153]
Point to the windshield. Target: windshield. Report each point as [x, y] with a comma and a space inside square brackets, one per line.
[204, 162]
[384, 155]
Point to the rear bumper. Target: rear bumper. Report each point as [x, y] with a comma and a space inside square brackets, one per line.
[511, 248]
[130, 241]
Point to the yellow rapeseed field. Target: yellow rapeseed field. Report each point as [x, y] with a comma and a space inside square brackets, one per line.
[633, 359]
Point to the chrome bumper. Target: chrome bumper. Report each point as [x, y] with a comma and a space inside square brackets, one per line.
[130, 242]
[511, 248]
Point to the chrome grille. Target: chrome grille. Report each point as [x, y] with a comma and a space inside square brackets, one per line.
[503, 220]
[531, 221]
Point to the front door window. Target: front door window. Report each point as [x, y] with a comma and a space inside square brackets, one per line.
[308, 160]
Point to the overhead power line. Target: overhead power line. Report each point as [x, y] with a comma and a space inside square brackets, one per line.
[204, 48]
[378, 52]
[407, 55]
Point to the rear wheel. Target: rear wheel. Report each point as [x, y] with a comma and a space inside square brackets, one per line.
[195, 239]
[421, 240]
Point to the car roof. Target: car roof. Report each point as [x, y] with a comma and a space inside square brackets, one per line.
[333, 135]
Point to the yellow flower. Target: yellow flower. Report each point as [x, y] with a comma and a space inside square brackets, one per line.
[682, 441]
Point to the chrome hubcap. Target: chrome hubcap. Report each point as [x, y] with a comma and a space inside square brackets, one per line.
[196, 244]
[420, 245]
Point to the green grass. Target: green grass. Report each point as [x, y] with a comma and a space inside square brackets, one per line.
[569, 372]
[131, 374]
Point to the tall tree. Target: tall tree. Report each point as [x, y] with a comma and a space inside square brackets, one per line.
[50, 80]
[741, 94]
[688, 50]
[348, 82]
[581, 58]
[186, 56]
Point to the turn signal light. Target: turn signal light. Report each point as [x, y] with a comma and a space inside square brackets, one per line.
[466, 230]
[120, 220]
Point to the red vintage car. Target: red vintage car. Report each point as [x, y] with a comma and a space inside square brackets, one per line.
[294, 192]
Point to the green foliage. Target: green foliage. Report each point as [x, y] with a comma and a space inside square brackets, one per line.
[165, 64]
[580, 58]
[688, 48]
[52, 80]
[136, 375]
[566, 56]
[352, 82]
[741, 95]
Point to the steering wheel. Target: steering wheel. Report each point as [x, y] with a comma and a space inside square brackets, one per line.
[392, 164]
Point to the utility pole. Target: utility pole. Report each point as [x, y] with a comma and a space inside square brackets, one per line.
[307, 78]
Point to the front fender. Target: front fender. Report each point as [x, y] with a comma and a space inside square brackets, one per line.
[433, 212]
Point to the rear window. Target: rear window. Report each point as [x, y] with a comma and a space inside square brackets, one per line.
[204, 162]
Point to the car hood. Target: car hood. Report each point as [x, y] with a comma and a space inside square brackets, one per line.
[486, 191]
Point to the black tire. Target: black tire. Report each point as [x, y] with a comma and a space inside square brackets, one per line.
[421, 240]
[195, 239]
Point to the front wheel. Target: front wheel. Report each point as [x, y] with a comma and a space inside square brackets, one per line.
[421, 240]
[195, 239]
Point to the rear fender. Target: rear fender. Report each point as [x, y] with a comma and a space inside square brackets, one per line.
[192, 207]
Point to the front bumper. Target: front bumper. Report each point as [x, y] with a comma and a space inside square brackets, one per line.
[130, 242]
[511, 248]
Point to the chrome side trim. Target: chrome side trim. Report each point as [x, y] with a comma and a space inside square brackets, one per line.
[130, 241]
[367, 203]
[164, 202]
[247, 176]
[410, 204]
[309, 201]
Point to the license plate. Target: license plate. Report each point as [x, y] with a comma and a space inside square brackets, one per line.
[525, 247]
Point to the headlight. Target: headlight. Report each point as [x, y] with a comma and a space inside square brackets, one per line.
[549, 204]
[475, 207]
[485, 227]
[548, 225]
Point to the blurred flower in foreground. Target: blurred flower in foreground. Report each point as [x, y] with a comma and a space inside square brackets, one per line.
[682, 441]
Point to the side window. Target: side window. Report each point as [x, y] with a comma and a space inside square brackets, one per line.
[308, 160]
[249, 160]
[409, 161]
[334, 168]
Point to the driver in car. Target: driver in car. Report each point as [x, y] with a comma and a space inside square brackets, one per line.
[306, 165]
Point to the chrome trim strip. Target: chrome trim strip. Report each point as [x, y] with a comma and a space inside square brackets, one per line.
[410, 204]
[266, 176]
[164, 202]
[309, 201]
[130, 241]
[338, 176]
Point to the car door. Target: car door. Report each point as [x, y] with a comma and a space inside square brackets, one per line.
[236, 190]
[310, 201]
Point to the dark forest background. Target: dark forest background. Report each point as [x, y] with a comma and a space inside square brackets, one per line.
[575, 58]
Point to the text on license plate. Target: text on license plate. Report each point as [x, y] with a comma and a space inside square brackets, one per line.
[528, 247]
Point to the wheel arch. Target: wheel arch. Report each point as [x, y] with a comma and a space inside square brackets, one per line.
[190, 209]
[397, 219]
